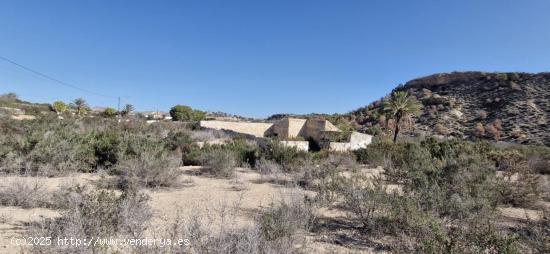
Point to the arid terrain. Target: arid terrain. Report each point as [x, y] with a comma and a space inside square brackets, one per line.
[121, 182]
[199, 194]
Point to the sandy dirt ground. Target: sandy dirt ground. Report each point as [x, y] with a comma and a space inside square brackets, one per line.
[198, 193]
[202, 194]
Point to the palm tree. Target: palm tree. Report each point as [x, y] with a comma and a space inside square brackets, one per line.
[401, 106]
[59, 107]
[80, 106]
[128, 108]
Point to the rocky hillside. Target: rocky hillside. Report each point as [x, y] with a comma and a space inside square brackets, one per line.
[512, 107]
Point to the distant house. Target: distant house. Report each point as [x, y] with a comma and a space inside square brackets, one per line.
[155, 115]
[98, 110]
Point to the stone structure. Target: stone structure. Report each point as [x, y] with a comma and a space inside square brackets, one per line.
[357, 141]
[319, 131]
[255, 129]
[339, 146]
[288, 128]
[299, 145]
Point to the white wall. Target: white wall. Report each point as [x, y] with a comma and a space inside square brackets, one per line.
[255, 129]
[300, 145]
[359, 140]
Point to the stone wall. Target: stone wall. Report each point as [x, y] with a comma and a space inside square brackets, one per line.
[295, 127]
[314, 128]
[279, 129]
[359, 140]
[211, 142]
[339, 146]
[255, 129]
[300, 145]
[288, 127]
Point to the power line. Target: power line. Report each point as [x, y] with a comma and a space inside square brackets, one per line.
[54, 79]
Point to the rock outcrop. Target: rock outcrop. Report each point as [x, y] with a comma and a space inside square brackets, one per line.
[513, 107]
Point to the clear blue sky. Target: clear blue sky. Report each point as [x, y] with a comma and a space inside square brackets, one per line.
[256, 58]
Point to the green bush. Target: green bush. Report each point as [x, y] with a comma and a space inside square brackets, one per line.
[45, 147]
[284, 155]
[110, 112]
[182, 143]
[450, 192]
[186, 113]
[105, 147]
[59, 107]
[246, 151]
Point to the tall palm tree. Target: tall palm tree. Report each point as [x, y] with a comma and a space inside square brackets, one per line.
[401, 106]
[80, 106]
[128, 108]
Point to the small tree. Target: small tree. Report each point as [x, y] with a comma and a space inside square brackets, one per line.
[401, 106]
[186, 113]
[80, 106]
[128, 108]
[59, 107]
[109, 112]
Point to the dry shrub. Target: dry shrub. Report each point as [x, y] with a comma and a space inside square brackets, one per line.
[479, 130]
[522, 186]
[432, 111]
[493, 131]
[202, 135]
[25, 194]
[481, 114]
[342, 160]
[281, 221]
[537, 233]
[148, 170]
[447, 203]
[517, 133]
[220, 162]
[314, 173]
[239, 184]
[498, 124]
[269, 170]
[98, 214]
[539, 163]
[363, 197]
[442, 130]
[275, 230]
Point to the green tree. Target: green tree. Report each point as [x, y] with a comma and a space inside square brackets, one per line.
[80, 106]
[186, 113]
[109, 112]
[400, 106]
[59, 107]
[128, 108]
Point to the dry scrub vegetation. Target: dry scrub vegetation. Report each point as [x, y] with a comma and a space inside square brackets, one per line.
[432, 196]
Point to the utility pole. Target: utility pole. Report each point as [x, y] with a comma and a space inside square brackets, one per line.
[118, 109]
